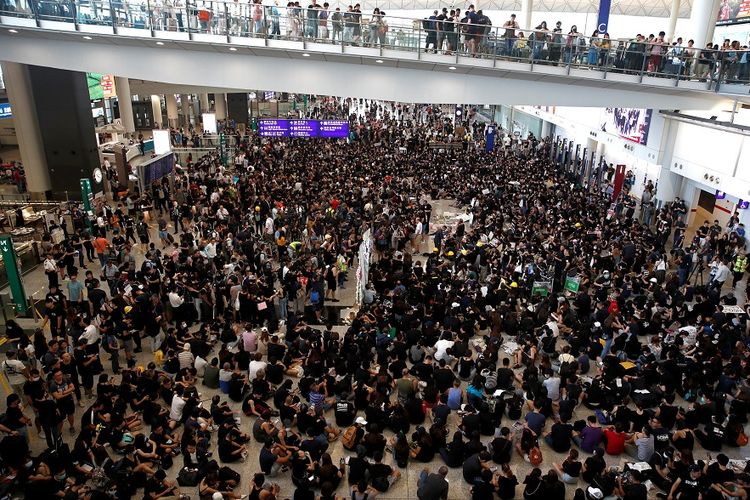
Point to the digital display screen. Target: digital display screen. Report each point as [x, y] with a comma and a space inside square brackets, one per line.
[5, 111]
[303, 128]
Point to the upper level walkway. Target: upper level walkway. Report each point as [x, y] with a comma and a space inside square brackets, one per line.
[202, 44]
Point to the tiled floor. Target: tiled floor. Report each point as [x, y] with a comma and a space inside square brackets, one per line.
[406, 486]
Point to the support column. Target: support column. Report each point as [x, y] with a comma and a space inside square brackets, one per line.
[673, 14]
[125, 103]
[172, 116]
[527, 6]
[156, 111]
[18, 86]
[185, 109]
[220, 103]
[205, 105]
[703, 20]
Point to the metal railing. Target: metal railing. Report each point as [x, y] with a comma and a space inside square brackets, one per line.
[451, 38]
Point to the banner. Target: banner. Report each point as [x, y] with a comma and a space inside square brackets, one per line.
[619, 181]
[602, 22]
[489, 138]
[572, 283]
[542, 288]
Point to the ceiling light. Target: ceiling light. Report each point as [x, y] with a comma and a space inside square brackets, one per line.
[452, 68]
[87, 37]
[379, 61]
[233, 49]
[159, 43]
[305, 55]
[13, 31]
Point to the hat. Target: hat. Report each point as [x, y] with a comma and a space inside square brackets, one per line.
[186, 346]
[450, 253]
[596, 493]
[360, 421]
[695, 468]
[514, 285]
[578, 224]
[480, 244]
[217, 496]
[128, 309]
[257, 209]
[435, 249]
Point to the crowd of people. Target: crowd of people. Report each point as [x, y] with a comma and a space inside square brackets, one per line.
[447, 30]
[213, 343]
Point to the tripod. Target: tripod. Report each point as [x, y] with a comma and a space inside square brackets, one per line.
[697, 272]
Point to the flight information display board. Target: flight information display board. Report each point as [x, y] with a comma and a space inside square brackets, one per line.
[303, 128]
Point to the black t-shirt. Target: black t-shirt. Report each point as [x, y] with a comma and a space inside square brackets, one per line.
[380, 470]
[344, 412]
[13, 416]
[635, 492]
[691, 489]
[505, 377]
[357, 469]
[561, 434]
[715, 475]
[482, 490]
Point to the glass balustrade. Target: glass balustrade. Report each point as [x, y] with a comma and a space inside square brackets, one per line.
[449, 42]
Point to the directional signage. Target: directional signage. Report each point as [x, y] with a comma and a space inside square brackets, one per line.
[10, 259]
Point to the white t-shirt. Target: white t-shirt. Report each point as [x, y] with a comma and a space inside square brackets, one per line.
[14, 371]
[175, 411]
[252, 370]
[200, 366]
[91, 335]
[441, 346]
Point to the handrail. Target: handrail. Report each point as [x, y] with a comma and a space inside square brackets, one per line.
[477, 39]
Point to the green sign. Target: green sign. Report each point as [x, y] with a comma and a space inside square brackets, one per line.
[88, 200]
[542, 288]
[10, 259]
[223, 148]
[572, 283]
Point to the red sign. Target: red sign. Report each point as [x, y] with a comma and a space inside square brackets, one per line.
[619, 181]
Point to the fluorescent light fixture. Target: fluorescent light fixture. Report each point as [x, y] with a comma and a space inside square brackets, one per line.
[159, 43]
[233, 49]
[87, 37]
[452, 68]
[13, 31]
[305, 55]
[379, 61]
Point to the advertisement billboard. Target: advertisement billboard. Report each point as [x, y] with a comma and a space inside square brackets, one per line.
[101, 86]
[631, 124]
[733, 12]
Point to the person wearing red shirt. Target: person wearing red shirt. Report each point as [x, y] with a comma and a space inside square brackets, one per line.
[615, 439]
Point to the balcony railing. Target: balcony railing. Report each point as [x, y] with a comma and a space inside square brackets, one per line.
[451, 39]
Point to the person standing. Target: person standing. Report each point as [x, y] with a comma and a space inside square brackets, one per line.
[510, 26]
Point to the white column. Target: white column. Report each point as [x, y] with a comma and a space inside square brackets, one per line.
[172, 115]
[527, 6]
[221, 106]
[125, 103]
[185, 108]
[18, 87]
[673, 14]
[205, 106]
[156, 110]
[703, 20]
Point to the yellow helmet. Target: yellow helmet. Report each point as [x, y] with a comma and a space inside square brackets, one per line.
[514, 285]
[257, 209]
[450, 253]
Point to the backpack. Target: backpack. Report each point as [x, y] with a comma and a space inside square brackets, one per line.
[314, 296]
[188, 477]
[742, 439]
[535, 456]
[349, 438]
